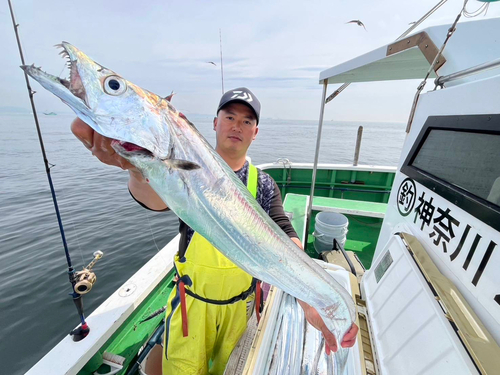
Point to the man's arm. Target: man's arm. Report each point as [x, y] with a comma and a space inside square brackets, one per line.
[144, 193]
[317, 322]
[314, 319]
[101, 148]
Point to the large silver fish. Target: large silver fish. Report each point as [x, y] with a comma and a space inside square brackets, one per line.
[196, 183]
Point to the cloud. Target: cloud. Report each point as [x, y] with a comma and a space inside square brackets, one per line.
[279, 47]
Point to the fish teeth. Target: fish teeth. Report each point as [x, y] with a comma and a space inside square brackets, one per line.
[64, 53]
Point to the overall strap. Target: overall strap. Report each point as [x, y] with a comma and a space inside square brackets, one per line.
[242, 296]
[252, 184]
[253, 180]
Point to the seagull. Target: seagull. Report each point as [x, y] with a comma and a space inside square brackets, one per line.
[358, 22]
[411, 23]
[211, 62]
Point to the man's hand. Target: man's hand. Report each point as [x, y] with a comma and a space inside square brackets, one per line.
[99, 145]
[316, 321]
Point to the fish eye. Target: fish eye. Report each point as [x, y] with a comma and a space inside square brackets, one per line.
[114, 85]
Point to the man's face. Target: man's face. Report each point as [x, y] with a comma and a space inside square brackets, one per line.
[236, 128]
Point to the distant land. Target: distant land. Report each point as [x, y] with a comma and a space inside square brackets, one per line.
[13, 110]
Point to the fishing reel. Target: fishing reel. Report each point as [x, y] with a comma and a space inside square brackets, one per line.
[85, 279]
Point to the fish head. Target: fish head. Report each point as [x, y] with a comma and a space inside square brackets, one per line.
[111, 105]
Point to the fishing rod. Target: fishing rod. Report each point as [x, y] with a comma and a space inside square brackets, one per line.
[81, 281]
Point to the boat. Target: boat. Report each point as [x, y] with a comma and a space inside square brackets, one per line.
[420, 258]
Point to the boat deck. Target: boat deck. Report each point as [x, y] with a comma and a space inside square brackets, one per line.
[365, 219]
[348, 206]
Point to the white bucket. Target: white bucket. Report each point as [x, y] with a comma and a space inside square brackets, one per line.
[329, 225]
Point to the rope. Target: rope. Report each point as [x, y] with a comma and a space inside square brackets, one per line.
[364, 222]
[477, 12]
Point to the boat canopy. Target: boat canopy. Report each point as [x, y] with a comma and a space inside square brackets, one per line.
[410, 57]
[378, 66]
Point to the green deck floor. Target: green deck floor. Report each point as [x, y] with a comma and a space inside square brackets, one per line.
[363, 231]
[369, 209]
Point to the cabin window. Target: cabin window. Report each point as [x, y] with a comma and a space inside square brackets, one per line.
[466, 160]
[458, 158]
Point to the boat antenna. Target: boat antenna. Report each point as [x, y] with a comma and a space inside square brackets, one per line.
[82, 331]
[422, 19]
[221, 67]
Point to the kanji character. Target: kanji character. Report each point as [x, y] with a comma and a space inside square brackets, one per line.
[425, 211]
[445, 228]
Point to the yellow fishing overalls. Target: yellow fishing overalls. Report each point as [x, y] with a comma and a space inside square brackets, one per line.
[207, 311]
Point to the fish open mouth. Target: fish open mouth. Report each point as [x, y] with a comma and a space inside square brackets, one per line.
[128, 149]
[74, 82]
[52, 83]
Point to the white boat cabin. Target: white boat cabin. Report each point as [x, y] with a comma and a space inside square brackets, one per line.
[431, 299]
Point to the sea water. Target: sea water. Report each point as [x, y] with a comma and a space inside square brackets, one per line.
[98, 213]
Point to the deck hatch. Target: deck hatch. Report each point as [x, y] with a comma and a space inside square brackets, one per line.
[479, 343]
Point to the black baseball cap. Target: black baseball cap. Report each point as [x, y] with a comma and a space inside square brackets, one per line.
[241, 95]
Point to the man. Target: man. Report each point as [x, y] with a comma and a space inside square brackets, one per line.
[207, 311]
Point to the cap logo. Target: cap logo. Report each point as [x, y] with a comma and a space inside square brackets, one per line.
[242, 95]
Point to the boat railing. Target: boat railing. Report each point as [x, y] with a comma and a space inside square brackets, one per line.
[440, 81]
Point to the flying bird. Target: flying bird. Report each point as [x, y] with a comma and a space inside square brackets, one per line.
[358, 22]
[411, 23]
[211, 62]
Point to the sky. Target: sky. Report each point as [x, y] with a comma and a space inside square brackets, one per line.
[276, 48]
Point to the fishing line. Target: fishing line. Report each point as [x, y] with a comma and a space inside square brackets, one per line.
[77, 239]
[75, 232]
[151, 229]
[62, 70]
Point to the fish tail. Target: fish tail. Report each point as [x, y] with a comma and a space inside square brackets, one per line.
[340, 360]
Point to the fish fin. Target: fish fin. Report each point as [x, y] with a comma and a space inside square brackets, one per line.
[169, 98]
[181, 164]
